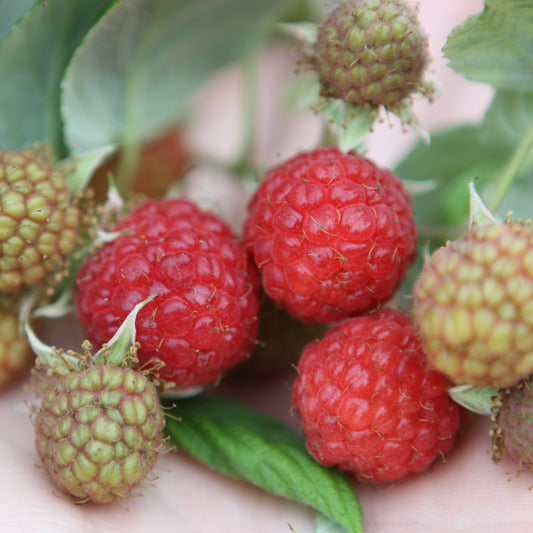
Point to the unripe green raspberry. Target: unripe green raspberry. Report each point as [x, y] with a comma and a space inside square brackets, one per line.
[38, 222]
[512, 425]
[372, 52]
[16, 355]
[99, 431]
[473, 303]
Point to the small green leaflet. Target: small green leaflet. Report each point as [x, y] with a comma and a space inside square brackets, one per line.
[496, 46]
[33, 58]
[140, 66]
[236, 440]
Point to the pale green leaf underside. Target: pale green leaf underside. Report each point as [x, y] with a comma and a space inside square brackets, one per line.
[139, 67]
[10, 12]
[238, 441]
[323, 524]
[33, 58]
[496, 46]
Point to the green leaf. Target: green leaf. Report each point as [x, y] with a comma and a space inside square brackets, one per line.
[509, 116]
[33, 58]
[141, 65]
[325, 525]
[495, 46]
[455, 157]
[244, 443]
[10, 12]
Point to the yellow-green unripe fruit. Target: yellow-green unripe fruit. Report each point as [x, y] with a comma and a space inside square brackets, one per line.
[38, 221]
[371, 52]
[99, 432]
[16, 356]
[473, 303]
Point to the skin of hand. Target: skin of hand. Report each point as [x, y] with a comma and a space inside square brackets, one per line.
[466, 493]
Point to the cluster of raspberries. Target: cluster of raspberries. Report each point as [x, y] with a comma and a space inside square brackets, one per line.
[328, 238]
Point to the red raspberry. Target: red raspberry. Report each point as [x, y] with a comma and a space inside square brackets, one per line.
[204, 318]
[331, 233]
[370, 404]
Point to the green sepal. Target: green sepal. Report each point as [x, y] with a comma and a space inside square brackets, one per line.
[478, 400]
[79, 169]
[305, 32]
[119, 351]
[351, 123]
[119, 347]
[479, 212]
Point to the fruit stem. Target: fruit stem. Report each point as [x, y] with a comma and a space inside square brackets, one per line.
[244, 164]
[512, 169]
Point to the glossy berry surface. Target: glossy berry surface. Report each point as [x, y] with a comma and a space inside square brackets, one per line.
[203, 320]
[473, 304]
[99, 432]
[369, 403]
[331, 233]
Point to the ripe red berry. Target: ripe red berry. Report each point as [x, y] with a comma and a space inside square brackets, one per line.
[331, 233]
[204, 318]
[370, 404]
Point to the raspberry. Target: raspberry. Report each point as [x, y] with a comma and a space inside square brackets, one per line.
[331, 233]
[99, 431]
[512, 425]
[473, 303]
[204, 318]
[38, 222]
[16, 356]
[371, 52]
[369, 402]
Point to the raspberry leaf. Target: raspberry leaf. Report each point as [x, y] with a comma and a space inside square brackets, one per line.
[495, 46]
[143, 62]
[323, 524]
[33, 57]
[244, 443]
[10, 12]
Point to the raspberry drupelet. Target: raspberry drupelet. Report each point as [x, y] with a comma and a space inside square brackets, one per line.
[203, 320]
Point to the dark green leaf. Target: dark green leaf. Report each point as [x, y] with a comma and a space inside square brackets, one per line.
[33, 58]
[244, 443]
[139, 68]
[496, 46]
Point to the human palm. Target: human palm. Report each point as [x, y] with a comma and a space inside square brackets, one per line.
[466, 493]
